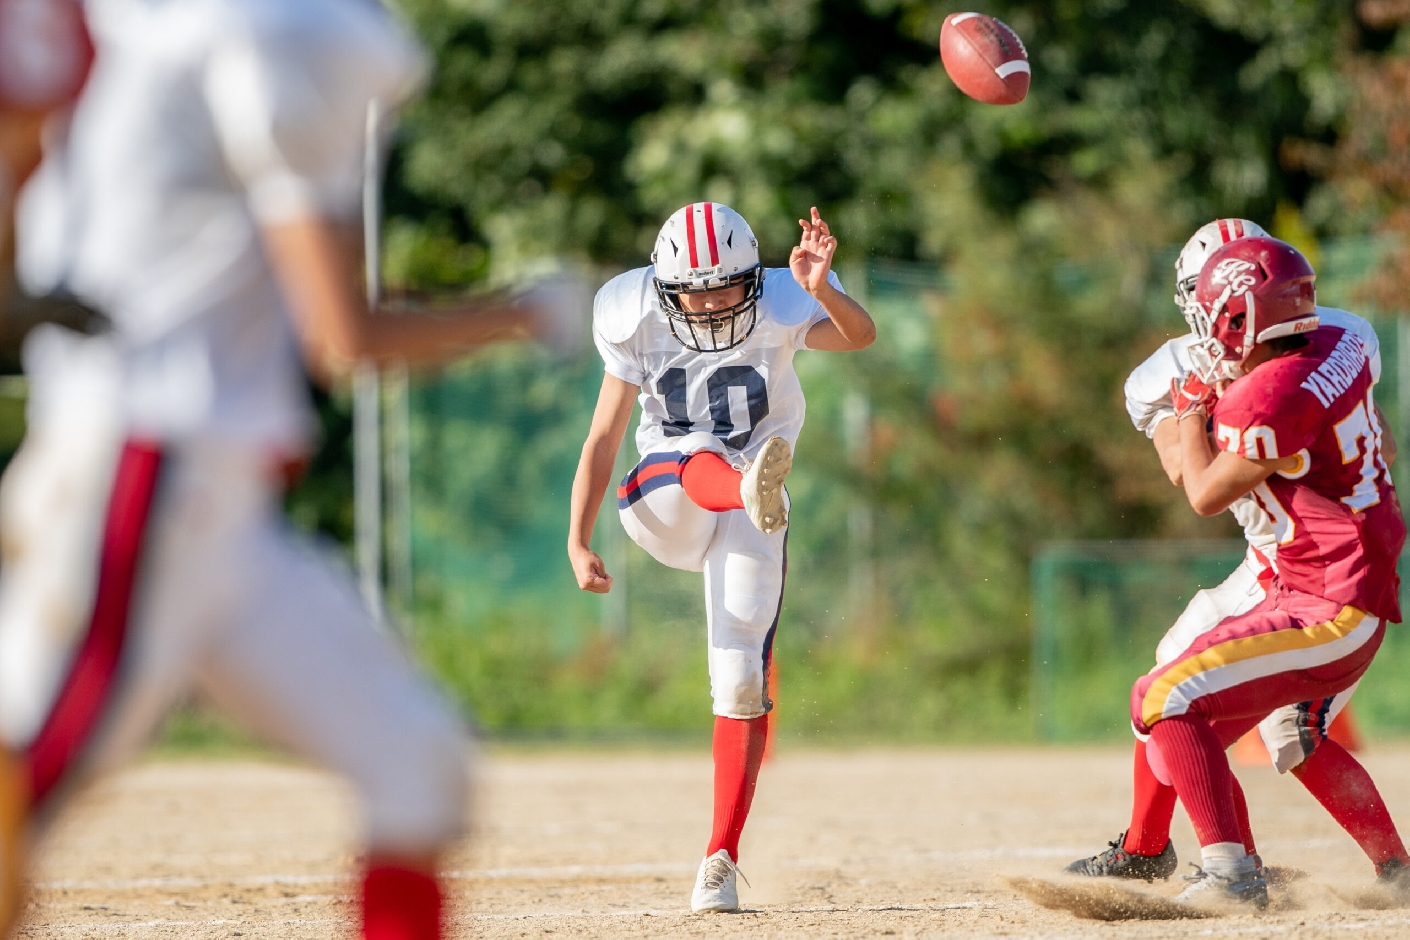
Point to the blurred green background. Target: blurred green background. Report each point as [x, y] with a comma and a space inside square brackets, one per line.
[1018, 261]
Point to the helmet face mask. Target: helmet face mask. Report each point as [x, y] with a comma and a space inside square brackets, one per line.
[1250, 291]
[1206, 240]
[714, 330]
[704, 248]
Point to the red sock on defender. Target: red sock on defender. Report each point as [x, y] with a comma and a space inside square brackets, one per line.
[1202, 776]
[1241, 812]
[711, 483]
[1344, 788]
[1152, 806]
[400, 904]
[739, 750]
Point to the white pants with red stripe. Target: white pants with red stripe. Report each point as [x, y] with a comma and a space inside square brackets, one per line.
[1290, 733]
[744, 570]
[226, 601]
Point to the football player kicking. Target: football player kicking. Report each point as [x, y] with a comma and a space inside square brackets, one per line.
[1297, 428]
[205, 199]
[1295, 735]
[706, 337]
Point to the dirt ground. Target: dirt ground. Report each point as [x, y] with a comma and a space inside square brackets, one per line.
[594, 844]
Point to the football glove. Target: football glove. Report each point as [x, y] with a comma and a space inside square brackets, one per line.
[1191, 395]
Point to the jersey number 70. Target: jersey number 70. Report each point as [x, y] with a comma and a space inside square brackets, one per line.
[672, 388]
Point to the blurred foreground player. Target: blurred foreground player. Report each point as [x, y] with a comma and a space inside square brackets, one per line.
[1295, 735]
[1297, 428]
[706, 337]
[204, 199]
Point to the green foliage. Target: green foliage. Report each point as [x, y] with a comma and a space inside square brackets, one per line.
[570, 127]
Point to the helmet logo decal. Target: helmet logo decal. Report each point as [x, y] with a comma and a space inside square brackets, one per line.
[690, 236]
[710, 234]
[1237, 274]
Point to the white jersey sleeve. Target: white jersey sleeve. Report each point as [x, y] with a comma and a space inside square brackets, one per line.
[617, 311]
[1148, 387]
[1331, 316]
[289, 96]
[794, 306]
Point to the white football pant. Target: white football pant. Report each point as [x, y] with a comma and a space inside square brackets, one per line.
[744, 570]
[1290, 733]
[225, 600]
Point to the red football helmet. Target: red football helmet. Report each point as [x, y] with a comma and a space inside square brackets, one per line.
[1249, 291]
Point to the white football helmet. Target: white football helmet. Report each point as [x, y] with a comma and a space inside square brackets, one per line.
[1206, 240]
[703, 247]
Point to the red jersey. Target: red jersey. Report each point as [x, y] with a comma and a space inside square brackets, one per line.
[1336, 514]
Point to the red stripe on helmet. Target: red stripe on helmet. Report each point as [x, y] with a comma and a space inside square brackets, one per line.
[1238, 228]
[690, 235]
[710, 233]
[1224, 232]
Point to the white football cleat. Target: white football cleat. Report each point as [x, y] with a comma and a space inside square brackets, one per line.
[715, 891]
[761, 488]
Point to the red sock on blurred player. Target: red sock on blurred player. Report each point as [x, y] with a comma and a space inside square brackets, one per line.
[711, 483]
[400, 904]
[739, 751]
[1346, 791]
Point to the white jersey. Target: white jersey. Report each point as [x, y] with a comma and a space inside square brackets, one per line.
[1148, 403]
[203, 121]
[743, 396]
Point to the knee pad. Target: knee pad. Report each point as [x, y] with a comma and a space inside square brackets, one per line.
[739, 683]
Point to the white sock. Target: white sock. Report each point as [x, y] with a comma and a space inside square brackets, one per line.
[1226, 858]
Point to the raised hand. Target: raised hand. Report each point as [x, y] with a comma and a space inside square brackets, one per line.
[811, 260]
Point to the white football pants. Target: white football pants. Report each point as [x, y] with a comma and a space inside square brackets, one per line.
[223, 599]
[744, 570]
[1290, 733]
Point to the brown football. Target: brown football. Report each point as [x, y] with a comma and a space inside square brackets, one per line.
[984, 58]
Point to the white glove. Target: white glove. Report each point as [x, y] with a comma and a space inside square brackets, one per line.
[562, 308]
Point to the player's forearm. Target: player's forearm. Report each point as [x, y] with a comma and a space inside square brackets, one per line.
[589, 486]
[316, 265]
[425, 338]
[1166, 438]
[849, 317]
[1196, 457]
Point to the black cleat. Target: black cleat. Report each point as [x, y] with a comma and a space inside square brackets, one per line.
[1116, 862]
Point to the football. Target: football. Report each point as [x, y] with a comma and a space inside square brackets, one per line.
[984, 58]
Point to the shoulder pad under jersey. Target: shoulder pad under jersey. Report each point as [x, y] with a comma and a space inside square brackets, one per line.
[785, 302]
[622, 303]
[1346, 320]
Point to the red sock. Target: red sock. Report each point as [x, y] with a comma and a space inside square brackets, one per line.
[1346, 791]
[711, 483]
[1202, 777]
[1241, 811]
[1152, 806]
[400, 904]
[739, 750]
